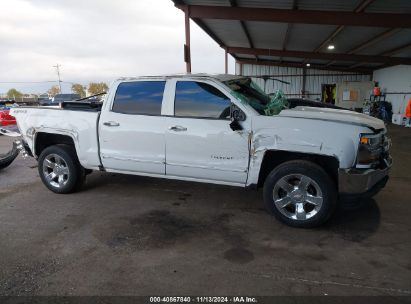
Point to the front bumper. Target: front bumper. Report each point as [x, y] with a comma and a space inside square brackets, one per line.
[357, 182]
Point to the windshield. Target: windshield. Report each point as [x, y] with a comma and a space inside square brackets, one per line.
[248, 91]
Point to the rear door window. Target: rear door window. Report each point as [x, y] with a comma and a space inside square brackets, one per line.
[139, 97]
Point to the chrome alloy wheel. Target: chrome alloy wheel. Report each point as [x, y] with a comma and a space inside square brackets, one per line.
[55, 170]
[297, 196]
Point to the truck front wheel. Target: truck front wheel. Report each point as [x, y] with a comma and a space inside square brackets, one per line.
[300, 194]
[60, 169]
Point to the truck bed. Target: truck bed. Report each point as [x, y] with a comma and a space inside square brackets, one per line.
[78, 123]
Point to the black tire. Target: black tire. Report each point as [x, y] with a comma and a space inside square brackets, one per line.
[320, 181]
[9, 157]
[76, 173]
[88, 171]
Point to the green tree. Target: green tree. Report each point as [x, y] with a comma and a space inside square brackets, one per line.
[79, 89]
[13, 93]
[54, 90]
[97, 88]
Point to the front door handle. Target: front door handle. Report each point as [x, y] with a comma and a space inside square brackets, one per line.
[177, 128]
[111, 124]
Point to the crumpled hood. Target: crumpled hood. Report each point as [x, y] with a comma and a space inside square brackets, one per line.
[328, 114]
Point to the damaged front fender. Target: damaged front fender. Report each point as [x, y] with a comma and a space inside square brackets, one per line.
[313, 139]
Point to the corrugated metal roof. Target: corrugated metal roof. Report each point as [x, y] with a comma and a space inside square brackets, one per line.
[351, 37]
[331, 5]
[208, 2]
[267, 34]
[318, 61]
[306, 37]
[390, 6]
[244, 56]
[268, 58]
[378, 6]
[309, 37]
[394, 41]
[405, 53]
[342, 5]
[227, 31]
[280, 4]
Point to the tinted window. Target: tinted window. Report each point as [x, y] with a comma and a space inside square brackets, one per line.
[66, 97]
[197, 99]
[140, 97]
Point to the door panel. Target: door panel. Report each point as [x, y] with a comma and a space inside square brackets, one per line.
[136, 145]
[130, 141]
[208, 149]
[199, 140]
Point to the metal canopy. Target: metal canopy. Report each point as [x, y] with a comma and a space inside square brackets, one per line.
[367, 34]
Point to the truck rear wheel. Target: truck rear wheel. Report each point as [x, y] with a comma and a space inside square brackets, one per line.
[300, 194]
[60, 169]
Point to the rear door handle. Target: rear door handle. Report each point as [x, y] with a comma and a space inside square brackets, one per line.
[177, 128]
[111, 124]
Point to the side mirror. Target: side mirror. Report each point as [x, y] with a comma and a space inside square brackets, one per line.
[235, 126]
[236, 116]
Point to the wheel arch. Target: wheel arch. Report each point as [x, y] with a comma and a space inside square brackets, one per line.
[273, 158]
[45, 139]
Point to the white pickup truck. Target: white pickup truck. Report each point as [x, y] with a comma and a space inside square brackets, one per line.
[208, 129]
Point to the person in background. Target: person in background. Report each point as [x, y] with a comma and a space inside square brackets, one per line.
[408, 114]
[376, 91]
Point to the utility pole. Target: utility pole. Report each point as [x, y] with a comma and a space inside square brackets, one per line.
[187, 46]
[57, 66]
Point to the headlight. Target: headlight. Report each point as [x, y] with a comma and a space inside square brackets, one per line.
[369, 150]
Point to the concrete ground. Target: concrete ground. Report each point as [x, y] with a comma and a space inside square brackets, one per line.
[128, 235]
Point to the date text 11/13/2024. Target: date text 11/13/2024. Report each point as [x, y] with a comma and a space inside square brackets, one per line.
[203, 299]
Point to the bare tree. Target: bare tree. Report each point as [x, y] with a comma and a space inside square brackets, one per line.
[54, 90]
[97, 88]
[13, 93]
[79, 89]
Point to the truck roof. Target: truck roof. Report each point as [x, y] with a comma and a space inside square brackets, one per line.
[220, 77]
